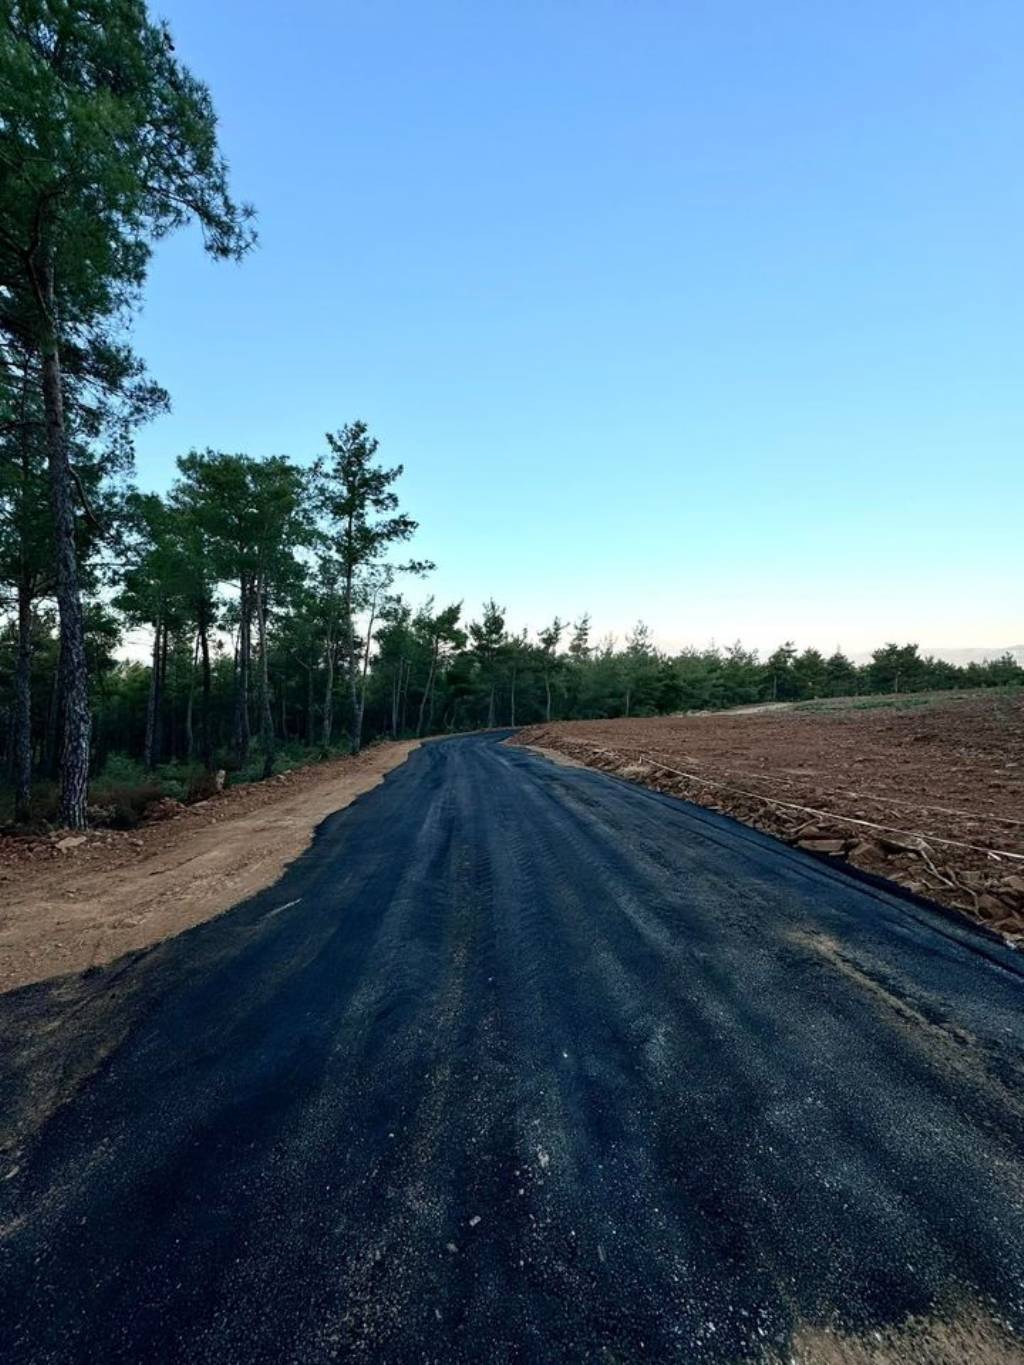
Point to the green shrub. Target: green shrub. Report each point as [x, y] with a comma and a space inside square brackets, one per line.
[121, 770]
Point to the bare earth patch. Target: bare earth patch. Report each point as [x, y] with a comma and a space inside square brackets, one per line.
[64, 910]
[972, 1335]
[926, 792]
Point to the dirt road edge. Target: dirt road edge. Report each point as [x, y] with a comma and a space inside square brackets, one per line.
[114, 894]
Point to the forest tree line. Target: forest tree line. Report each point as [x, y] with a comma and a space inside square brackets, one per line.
[280, 624]
[274, 594]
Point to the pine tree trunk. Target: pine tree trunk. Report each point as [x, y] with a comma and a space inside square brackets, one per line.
[355, 721]
[365, 670]
[204, 647]
[310, 711]
[164, 725]
[426, 693]
[266, 714]
[490, 709]
[430, 711]
[190, 739]
[241, 735]
[356, 735]
[23, 704]
[512, 700]
[74, 692]
[153, 702]
[547, 703]
[325, 740]
[396, 688]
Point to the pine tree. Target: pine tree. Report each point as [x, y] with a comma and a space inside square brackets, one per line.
[109, 142]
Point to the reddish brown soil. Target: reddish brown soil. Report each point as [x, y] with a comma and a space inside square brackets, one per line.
[937, 773]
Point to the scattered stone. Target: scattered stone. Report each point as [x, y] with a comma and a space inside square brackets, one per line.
[989, 906]
[164, 809]
[72, 841]
[902, 843]
[810, 829]
[822, 845]
[864, 851]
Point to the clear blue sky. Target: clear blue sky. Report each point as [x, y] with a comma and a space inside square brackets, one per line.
[705, 312]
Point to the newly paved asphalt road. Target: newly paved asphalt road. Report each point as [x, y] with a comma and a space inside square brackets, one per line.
[522, 1063]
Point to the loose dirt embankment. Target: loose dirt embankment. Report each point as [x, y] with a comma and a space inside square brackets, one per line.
[928, 793]
[69, 903]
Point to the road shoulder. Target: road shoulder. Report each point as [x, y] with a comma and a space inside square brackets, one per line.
[111, 894]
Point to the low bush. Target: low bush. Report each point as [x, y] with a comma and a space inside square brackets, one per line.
[121, 770]
[123, 805]
[202, 785]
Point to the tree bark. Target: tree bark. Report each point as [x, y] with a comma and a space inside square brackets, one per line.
[164, 724]
[365, 670]
[547, 704]
[427, 690]
[356, 725]
[512, 699]
[150, 751]
[403, 687]
[74, 696]
[355, 736]
[430, 709]
[356, 733]
[204, 649]
[310, 709]
[23, 704]
[328, 719]
[242, 734]
[266, 714]
[396, 688]
[190, 739]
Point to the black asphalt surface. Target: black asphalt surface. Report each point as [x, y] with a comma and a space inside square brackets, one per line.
[522, 1063]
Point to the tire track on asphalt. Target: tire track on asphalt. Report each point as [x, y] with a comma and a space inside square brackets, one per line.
[536, 1066]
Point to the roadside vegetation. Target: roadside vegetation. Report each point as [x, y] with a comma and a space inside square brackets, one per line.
[271, 594]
